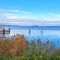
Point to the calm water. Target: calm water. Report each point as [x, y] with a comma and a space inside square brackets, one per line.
[45, 33]
[32, 27]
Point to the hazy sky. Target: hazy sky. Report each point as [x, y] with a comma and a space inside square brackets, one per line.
[13, 10]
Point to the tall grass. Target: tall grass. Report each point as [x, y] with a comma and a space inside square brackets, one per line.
[19, 48]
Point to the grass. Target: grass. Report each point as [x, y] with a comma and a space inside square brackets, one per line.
[19, 48]
[30, 58]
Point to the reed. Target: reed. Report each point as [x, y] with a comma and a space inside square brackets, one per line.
[19, 48]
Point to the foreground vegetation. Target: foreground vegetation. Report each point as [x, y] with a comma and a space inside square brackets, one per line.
[19, 48]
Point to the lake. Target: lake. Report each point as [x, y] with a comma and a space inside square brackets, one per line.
[51, 33]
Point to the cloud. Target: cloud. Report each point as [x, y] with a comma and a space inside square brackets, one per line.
[15, 14]
[51, 17]
[55, 15]
[14, 17]
[14, 11]
[18, 17]
[7, 14]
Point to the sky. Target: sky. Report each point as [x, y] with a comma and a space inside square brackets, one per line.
[28, 10]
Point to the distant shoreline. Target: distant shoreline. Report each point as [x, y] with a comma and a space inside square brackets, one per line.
[35, 27]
